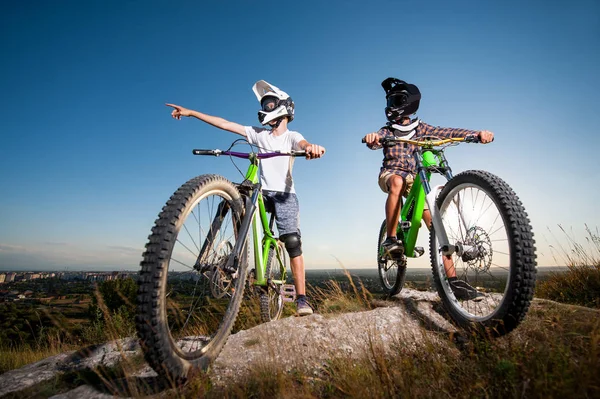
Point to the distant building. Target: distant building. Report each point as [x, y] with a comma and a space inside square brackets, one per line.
[99, 276]
[10, 277]
[2, 277]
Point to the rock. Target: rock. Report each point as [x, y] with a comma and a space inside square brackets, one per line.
[31, 374]
[307, 343]
[107, 355]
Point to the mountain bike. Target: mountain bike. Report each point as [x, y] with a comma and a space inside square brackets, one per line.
[480, 233]
[195, 267]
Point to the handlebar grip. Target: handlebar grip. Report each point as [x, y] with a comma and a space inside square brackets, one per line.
[204, 152]
[474, 138]
[385, 142]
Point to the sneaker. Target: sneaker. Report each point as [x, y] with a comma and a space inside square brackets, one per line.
[463, 291]
[302, 307]
[391, 245]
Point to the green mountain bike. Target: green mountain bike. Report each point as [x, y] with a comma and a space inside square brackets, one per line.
[194, 270]
[480, 235]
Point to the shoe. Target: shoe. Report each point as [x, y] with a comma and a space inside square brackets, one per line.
[302, 307]
[391, 245]
[463, 291]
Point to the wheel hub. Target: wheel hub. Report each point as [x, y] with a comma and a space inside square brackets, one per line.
[479, 254]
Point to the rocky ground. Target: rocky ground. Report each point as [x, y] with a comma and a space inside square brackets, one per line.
[291, 343]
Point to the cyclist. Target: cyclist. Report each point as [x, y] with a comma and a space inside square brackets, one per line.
[398, 170]
[277, 110]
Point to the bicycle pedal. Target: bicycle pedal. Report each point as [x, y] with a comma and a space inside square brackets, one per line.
[419, 251]
[405, 225]
[288, 292]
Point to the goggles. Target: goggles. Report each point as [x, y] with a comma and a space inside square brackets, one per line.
[398, 99]
[269, 103]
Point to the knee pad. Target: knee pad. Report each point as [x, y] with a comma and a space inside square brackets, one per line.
[293, 244]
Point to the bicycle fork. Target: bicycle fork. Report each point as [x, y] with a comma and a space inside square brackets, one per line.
[232, 263]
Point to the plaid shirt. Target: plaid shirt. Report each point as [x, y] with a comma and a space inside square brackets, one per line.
[399, 159]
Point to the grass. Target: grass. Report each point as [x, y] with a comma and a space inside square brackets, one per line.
[62, 337]
[580, 285]
[14, 357]
[334, 300]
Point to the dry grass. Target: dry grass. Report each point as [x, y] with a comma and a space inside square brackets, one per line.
[15, 357]
[334, 300]
[580, 285]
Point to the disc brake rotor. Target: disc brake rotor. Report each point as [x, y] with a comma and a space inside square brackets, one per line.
[221, 282]
[480, 257]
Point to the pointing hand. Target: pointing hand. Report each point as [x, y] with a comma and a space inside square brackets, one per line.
[179, 111]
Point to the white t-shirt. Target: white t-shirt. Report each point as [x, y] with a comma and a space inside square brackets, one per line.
[276, 172]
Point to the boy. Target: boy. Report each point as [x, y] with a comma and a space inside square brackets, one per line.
[277, 110]
[398, 170]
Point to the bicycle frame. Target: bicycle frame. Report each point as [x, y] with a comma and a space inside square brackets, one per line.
[254, 202]
[268, 238]
[427, 160]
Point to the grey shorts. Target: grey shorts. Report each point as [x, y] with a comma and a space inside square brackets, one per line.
[408, 182]
[286, 209]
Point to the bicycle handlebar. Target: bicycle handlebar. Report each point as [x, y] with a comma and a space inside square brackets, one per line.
[391, 141]
[247, 155]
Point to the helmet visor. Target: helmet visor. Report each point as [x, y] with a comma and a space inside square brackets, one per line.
[398, 99]
[269, 103]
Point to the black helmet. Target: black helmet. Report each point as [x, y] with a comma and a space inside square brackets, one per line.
[402, 98]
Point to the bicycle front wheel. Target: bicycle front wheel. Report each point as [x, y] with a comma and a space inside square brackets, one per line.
[392, 271]
[495, 262]
[188, 296]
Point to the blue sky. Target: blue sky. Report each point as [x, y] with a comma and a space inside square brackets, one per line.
[90, 153]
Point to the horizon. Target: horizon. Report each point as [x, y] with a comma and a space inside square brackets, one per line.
[2, 270]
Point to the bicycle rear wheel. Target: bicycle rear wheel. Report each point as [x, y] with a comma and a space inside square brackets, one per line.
[484, 217]
[271, 300]
[188, 299]
[392, 272]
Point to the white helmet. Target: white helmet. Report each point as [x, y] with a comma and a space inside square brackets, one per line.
[274, 103]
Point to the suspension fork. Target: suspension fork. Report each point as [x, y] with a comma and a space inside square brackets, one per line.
[260, 257]
[449, 176]
[269, 243]
[430, 197]
[233, 261]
